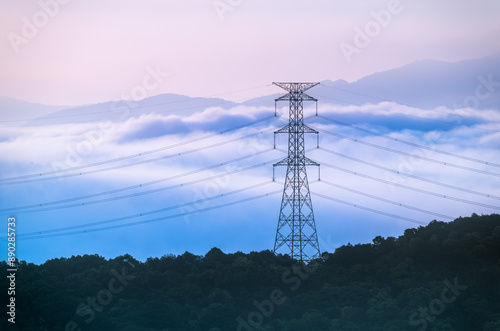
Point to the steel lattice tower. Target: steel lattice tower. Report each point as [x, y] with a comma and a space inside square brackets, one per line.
[296, 232]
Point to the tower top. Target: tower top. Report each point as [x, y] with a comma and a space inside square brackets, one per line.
[295, 86]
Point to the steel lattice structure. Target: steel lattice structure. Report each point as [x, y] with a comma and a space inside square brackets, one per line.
[296, 232]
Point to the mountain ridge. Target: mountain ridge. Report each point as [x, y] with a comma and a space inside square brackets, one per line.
[424, 84]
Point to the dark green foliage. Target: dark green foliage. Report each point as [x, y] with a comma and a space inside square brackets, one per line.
[445, 276]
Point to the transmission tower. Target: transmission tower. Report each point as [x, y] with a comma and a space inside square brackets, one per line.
[296, 233]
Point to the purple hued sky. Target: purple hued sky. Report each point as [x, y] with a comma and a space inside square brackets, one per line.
[94, 51]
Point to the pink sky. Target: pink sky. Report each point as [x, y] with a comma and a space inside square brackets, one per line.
[94, 51]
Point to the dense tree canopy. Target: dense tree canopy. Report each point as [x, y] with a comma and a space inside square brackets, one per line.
[444, 276]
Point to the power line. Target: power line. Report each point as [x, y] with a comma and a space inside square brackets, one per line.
[41, 234]
[411, 176]
[133, 163]
[365, 95]
[387, 200]
[410, 143]
[120, 116]
[144, 106]
[411, 188]
[369, 209]
[142, 185]
[138, 162]
[385, 100]
[137, 194]
[390, 112]
[448, 164]
[50, 232]
[156, 150]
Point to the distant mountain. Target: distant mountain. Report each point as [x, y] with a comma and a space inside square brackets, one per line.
[423, 84]
[16, 112]
[169, 104]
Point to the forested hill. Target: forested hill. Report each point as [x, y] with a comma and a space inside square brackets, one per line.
[444, 276]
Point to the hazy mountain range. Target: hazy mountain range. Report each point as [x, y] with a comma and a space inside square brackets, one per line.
[424, 84]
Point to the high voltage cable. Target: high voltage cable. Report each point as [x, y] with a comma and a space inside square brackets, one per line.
[384, 100]
[411, 176]
[142, 185]
[387, 200]
[138, 162]
[133, 195]
[410, 143]
[156, 150]
[365, 208]
[331, 184]
[139, 154]
[155, 211]
[363, 95]
[390, 112]
[407, 175]
[122, 116]
[134, 163]
[369, 209]
[41, 234]
[391, 183]
[147, 106]
[411, 188]
[449, 164]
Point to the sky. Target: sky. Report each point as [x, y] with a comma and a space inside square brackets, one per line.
[190, 182]
[88, 51]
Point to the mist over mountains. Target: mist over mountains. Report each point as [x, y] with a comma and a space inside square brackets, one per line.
[426, 84]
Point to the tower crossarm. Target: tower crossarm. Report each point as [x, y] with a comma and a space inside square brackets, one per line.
[289, 161]
[296, 129]
[295, 86]
[309, 162]
[291, 96]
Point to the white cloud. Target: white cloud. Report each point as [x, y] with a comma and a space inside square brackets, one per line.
[28, 150]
